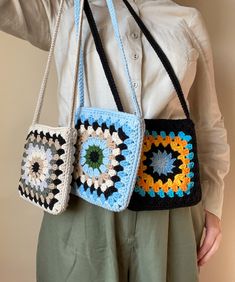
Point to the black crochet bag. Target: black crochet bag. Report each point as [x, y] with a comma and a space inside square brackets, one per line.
[168, 175]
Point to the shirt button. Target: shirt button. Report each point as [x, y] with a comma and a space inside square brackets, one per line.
[135, 56]
[134, 35]
[135, 84]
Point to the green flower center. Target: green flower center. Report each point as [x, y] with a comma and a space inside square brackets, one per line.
[94, 156]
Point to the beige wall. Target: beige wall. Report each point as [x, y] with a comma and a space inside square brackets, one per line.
[19, 86]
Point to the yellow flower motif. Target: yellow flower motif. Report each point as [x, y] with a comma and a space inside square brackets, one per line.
[180, 181]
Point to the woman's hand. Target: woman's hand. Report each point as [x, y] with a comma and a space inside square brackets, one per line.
[212, 238]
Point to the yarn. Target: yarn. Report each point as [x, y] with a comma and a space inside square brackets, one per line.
[107, 156]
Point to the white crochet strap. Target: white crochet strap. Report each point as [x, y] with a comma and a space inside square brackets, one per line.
[46, 73]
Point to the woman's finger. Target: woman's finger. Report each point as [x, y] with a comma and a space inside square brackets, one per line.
[211, 251]
[208, 241]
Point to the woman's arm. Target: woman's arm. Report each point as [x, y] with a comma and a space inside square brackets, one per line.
[213, 147]
[28, 20]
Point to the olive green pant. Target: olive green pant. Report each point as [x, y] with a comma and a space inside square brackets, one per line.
[87, 243]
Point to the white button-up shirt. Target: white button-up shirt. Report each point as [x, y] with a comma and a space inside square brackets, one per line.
[182, 34]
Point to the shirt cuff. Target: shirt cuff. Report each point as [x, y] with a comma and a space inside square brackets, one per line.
[212, 198]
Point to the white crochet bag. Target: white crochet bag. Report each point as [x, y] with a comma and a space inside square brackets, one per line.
[49, 152]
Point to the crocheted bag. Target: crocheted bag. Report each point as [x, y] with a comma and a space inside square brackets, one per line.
[168, 175]
[109, 144]
[47, 163]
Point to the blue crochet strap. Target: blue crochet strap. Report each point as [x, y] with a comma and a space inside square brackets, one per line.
[114, 21]
[81, 64]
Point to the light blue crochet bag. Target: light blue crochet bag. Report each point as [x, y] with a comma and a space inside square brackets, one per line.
[109, 142]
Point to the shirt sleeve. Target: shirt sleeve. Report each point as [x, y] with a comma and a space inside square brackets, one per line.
[212, 143]
[28, 20]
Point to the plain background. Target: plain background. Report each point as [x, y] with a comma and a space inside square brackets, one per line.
[21, 69]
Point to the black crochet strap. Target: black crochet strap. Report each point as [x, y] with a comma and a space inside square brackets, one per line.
[162, 56]
[103, 58]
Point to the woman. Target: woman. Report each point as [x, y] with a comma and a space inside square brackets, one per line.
[87, 242]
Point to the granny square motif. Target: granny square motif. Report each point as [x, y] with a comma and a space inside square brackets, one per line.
[168, 175]
[46, 167]
[106, 165]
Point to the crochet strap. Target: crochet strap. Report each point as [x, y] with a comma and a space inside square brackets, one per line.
[162, 56]
[41, 95]
[137, 110]
[103, 58]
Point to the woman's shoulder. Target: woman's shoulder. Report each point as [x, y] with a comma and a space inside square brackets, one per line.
[181, 21]
[174, 9]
